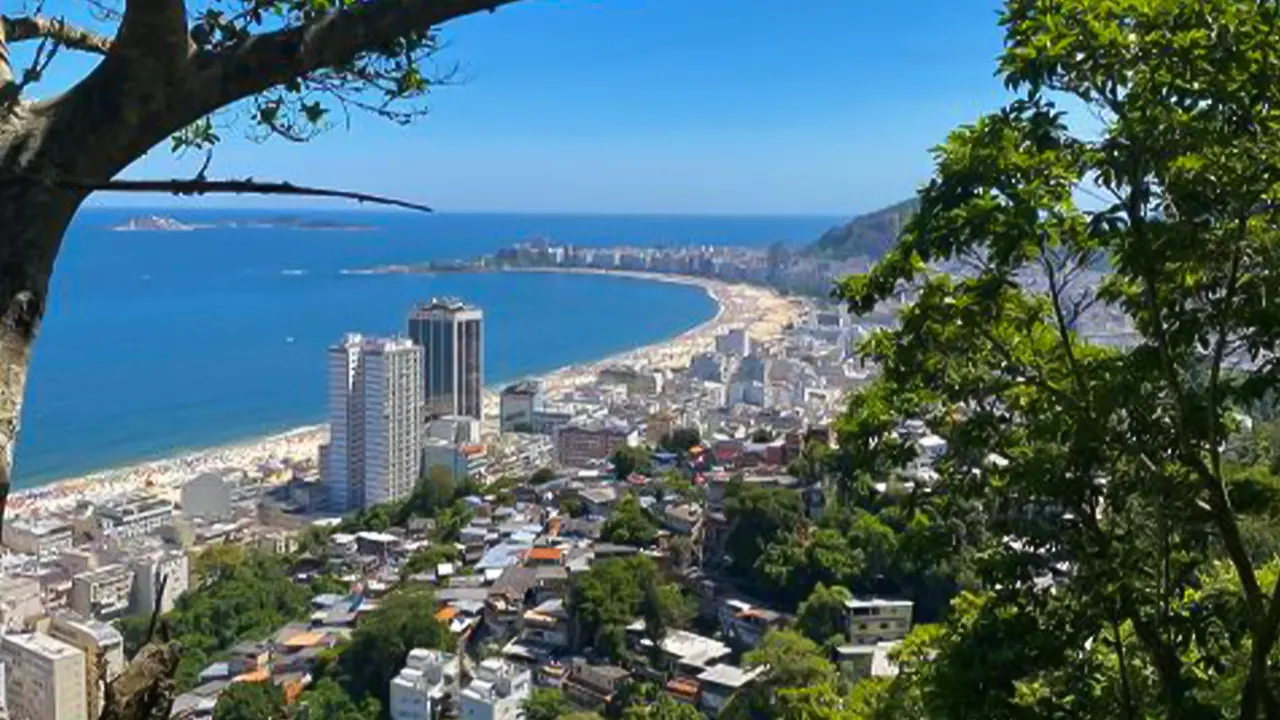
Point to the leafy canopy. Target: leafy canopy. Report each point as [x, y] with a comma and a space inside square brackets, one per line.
[1084, 480]
[629, 524]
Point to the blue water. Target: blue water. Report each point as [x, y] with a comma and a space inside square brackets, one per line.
[159, 342]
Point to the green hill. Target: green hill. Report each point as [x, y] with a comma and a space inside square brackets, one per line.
[869, 235]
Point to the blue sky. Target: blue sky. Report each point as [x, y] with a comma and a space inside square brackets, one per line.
[666, 106]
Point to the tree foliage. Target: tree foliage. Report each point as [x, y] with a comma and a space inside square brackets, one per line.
[243, 594]
[609, 596]
[1084, 482]
[758, 516]
[546, 704]
[378, 648]
[327, 699]
[251, 701]
[791, 663]
[429, 558]
[822, 615]
[664, 708]
[681, 440]
[629, 524]
[630, 459]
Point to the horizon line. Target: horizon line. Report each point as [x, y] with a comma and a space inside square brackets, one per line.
[295, 209]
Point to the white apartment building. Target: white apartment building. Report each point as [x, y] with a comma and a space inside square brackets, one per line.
[208, 497]
[875, 620]
[20, 601]
[103, 593]
[427, 677]
[375, 422]
[42, 538]
[44, 678]
[103, 647]
[172, 565]
[134, 519]
[497, 689]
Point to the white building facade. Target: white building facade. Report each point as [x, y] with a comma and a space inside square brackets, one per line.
[173, 567]
[418, 691]
[375, 422]
[103, 648]
[103, 593]
[44, 678]
[208, 496]
[497, 689]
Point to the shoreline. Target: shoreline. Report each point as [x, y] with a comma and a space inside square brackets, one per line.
[760, 310]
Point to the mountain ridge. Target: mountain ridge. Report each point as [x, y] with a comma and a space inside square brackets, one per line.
[868, 235]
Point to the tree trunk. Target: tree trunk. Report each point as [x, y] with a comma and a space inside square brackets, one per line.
[33, 219]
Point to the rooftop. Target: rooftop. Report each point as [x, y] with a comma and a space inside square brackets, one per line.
[101, 632]
[525, 387]
[854, 603]
[546, 554]
[441, 305]
[43, 645]
[40, 527]
[687, 647]
[372, 344]
[730, 676]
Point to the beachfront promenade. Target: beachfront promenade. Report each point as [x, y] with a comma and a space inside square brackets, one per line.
[762, 312]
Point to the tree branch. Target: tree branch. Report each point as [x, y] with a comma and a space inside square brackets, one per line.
[229, 187]
[273, 58]
[155, 32]
[6, 67]
[1060, 320]
[32, 27]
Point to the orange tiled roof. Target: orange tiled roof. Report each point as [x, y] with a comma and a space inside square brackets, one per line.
[545, 553]
[303, 640]
[683, 687]
[259, 675]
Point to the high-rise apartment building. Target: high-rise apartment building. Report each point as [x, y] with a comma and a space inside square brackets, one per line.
[451, 335]
[44, 678]
[375, 422]
[103, 649]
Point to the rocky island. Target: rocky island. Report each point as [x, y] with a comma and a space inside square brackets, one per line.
[296, 223]
[154, 222]
[281, 222]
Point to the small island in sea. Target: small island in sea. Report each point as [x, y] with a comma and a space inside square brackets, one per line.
[296, 223]
[154, 222]
[170, 224]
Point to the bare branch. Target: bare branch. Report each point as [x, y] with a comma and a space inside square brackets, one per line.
[227, 187]
[33, 27]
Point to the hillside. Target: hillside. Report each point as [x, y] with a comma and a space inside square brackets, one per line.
[867, 235]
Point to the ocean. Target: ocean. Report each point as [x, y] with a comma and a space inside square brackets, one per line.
[160, 342]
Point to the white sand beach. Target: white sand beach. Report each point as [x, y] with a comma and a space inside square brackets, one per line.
[761, 311]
